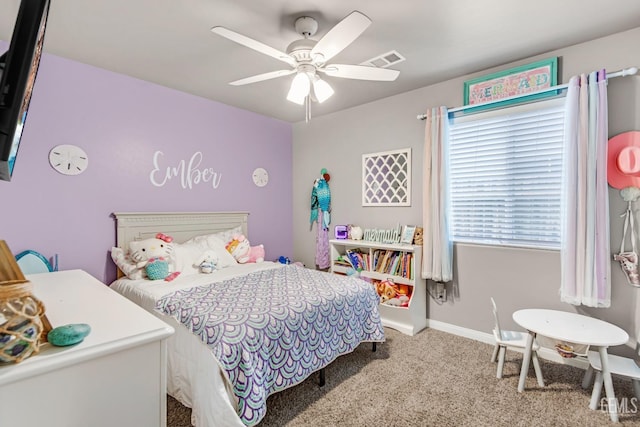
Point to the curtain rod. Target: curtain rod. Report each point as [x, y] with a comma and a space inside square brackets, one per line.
[621, 73]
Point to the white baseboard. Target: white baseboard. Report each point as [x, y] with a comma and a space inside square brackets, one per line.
[545, 353]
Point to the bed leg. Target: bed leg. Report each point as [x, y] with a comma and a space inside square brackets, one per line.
[373, 347]
[321, 381]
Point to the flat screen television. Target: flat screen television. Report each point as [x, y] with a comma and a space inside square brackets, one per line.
[18, 70]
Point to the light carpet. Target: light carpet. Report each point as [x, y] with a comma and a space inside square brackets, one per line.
[434, 379]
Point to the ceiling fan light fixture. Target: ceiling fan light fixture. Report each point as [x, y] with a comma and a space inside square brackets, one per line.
[322, 89]
[300, 87]
[307, 57]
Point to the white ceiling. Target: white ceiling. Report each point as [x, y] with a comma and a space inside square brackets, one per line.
[169, 42]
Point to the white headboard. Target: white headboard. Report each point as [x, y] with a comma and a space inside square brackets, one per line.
[182, 226]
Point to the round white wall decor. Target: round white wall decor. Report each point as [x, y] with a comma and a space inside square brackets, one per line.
[260, 177]
[68, 159]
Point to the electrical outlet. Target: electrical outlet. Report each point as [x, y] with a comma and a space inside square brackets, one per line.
[441, 292]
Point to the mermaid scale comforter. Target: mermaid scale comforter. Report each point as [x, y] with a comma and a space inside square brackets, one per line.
[270, 329]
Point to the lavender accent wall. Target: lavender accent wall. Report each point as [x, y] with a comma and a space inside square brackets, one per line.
[121, 122]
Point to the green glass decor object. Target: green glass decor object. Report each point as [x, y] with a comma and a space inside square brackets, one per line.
[65, 335]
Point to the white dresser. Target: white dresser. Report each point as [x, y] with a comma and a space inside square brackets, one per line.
[115, 377]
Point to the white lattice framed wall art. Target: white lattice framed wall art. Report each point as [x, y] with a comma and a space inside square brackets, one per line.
[386, 178]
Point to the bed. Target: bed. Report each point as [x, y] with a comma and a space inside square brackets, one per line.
[245, 331]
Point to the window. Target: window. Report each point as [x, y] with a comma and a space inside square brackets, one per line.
[506, 175]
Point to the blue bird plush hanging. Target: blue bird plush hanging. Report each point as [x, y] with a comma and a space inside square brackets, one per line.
[320, 213]
[321, 199]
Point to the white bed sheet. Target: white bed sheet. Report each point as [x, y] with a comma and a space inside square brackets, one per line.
[194, 377]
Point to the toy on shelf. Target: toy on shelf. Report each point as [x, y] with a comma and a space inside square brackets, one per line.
[355, 232]
[393, 293]
[418, 236]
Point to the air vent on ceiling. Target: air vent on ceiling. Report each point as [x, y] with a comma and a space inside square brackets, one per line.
[385, 60]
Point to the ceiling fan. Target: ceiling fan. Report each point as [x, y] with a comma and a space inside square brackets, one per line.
[308, 58]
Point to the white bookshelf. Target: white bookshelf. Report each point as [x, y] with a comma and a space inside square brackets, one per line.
[409, 320]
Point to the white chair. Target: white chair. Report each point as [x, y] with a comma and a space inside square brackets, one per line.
[513, 339]
[618, 365]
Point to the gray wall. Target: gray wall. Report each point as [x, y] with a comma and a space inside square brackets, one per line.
[516, 278]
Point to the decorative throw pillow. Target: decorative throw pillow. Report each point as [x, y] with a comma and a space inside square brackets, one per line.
[227, 235]
[126, 264]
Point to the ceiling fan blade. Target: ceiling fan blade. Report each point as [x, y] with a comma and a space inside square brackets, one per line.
[262, 77]
[254, 44]
[339, 37]
[360, 72]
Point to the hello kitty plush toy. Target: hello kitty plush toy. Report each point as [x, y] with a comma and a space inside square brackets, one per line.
[153, 255]
[242, 250]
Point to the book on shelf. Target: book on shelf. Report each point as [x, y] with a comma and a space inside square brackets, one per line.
[377, 257]
[342, 261]
[383, 263]
[387, 267]
[358, 259]
[394, 266]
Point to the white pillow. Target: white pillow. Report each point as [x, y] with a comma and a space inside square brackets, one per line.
[184, 256]
[225, 235]
[214, 243]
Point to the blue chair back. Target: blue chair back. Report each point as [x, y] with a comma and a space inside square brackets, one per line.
[32, 262]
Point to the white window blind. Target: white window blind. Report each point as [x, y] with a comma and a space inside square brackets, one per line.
[506, 175]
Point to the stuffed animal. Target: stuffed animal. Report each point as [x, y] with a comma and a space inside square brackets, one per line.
[418, 236]
[284, 260]
[393, 294]
[399, 301]
[207, 262]
[242, 250]
[355, 232]
[153, 255]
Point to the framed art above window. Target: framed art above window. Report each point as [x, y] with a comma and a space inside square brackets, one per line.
[522, 80]
[386, 178]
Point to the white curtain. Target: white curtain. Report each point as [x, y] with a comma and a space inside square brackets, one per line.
[586, 268]
[437, 250]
